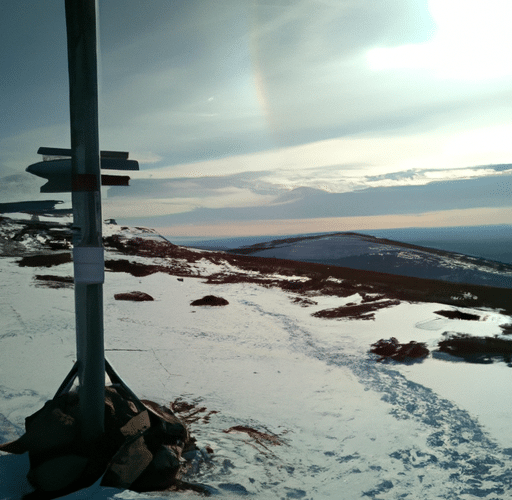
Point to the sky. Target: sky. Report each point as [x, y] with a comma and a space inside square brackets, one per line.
[276, 115]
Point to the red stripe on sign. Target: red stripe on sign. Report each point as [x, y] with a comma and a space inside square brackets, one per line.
[84, 182]
[115, 180]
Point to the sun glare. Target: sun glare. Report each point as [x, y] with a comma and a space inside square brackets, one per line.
[471, 42]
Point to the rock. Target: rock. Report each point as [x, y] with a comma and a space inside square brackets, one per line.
[46, 430]
[128, 464]
[476, 349]
[210, 300]
[458, 315]
[391, 348]
[135, 296]
[161, 472]
[140, 449]
[57, 473]
[170, 428]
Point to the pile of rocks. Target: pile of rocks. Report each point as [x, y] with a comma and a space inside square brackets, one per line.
[391, 348]
[140, 449]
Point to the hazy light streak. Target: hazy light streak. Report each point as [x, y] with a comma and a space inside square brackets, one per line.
[448, 218]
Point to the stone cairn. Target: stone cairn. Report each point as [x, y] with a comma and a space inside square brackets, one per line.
[141, 448]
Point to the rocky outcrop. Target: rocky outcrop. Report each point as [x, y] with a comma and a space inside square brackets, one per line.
[45, 260]
[391, 348]
[458, 315]
[476, 349]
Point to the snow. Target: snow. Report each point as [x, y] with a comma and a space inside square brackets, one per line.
[350, 427]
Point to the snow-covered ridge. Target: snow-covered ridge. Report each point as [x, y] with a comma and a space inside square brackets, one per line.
[359, 251]
[331, 421]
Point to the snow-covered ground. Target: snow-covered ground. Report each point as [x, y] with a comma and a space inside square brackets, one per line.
[345, 426]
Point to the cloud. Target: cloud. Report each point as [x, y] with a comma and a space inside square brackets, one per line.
[19, 187]
[245, 76]
[273, 173]
[145, 157]
[448, 218]
[308, 203]
[18, 152]
[309, 58]
[241, 102]
[147, 197]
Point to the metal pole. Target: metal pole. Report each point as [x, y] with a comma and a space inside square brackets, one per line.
[86, 198]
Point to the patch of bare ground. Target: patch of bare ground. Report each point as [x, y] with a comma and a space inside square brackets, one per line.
[458, 315]
[351, 281]
[139, 270]
[45, 260]
[304, 302]
[190, 412]
[134, 268]
[476, 349]
[319, 279]
[150, 248]
[364, 311]
[258, 436]
[51, 281]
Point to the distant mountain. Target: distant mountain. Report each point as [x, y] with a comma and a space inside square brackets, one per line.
[493, 242]
[360, 251]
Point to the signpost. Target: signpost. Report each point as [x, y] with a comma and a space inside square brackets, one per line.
[59, 173]
[81, 176]
[81, 21]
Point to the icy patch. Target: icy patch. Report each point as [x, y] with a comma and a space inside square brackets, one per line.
[334, 280]
[466, 296]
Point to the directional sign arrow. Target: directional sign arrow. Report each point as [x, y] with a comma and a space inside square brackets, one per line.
[60, 179]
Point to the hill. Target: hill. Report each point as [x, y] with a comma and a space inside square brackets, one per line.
[364, 252]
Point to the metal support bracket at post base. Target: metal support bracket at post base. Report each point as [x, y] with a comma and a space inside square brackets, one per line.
[115, 379]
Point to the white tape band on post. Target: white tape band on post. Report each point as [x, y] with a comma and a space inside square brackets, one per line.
[89, 265]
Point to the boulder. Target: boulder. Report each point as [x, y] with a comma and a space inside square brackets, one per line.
[135, 296]
[391, 348]
[210, 300]
[58, 473]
